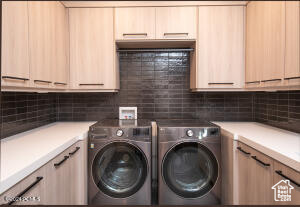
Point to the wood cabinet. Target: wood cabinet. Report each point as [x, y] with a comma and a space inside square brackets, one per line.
[220, 48]
[42, 42]
[60, 76]
[15, 55]
[292, 43]
[92, 49]
[282, 172]
[35, 187]
[61, 181]
[265, 43]
[176, 23]
[135, 23]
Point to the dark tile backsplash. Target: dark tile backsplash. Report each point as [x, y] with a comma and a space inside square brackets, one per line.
[279, 109]
[158, 84]
[24, 111]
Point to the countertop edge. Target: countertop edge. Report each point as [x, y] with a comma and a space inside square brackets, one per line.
[285, 160]
[12, 180]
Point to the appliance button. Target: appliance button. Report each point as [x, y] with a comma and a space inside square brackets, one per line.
[119, 132]
[189, 133]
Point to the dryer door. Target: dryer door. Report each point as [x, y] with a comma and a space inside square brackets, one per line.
[190, 169]
[120, 169]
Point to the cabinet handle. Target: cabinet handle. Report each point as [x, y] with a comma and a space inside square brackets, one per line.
[261, 162]
[58, 83]
[135, 34]
[176, 33]
[61, 162]
[279, 172]
[243, 151]
[220, 83]
[72, 153]
[15, 78]
[91, 84]
[292, 78]
[252, 82]
[42, 81]
[38, 179]
[271, 80]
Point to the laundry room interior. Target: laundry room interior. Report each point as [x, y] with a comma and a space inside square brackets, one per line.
[150, 103]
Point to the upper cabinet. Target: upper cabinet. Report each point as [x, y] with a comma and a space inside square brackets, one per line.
[61, 55]
[42, 42]
[292, 47]
[15, 55]
[220, 48]
[266, 42]
[92, 49]
[176, 22]
[135, 23]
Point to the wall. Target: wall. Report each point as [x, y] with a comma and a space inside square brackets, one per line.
[24, 111]
[158, 84]
[280, 109]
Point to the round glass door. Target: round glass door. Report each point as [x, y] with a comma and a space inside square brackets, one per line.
[190, 169]
[120, 169]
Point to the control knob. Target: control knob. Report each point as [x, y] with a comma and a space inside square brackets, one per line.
[119, 132]
[189, 133]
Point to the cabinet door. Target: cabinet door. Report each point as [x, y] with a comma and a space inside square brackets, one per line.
[243, 162]
[273, 42]
[220, 47]
[292, 48]
[58, 180]
[135, 23]
[253, 44]
[176, 22]
[42, 42]
[61, 68]
[92, 48]
[15, 59]
[260, 180]
[36, 190]
[282, 172]
[77, 174]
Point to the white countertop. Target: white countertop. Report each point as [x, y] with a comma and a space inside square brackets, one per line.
[281, 145]
[24, 153]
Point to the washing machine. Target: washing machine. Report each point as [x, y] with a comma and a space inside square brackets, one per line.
[189, 163]
[119, 162]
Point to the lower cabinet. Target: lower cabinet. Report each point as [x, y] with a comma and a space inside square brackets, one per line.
[59, 182]
[249, 176]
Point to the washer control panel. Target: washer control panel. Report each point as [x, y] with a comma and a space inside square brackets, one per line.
[200, 133]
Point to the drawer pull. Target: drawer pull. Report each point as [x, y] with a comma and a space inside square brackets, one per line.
[135, 34]
[279, 172]
[42, 81]
[15, 78]
[292, 78]
[61, 162]
[99, 136]
[243, 151]
[261, 162]
[220, 83]
[271, 80]
[252, 82]
[58, 83]
[38, 179]
[176, 33]
[72, 153]
[91, 84]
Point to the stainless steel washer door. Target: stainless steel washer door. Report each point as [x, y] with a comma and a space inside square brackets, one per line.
[190, 169]
[120, 169]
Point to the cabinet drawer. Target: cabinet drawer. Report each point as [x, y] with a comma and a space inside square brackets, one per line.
[29, 191]
[282, 172]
